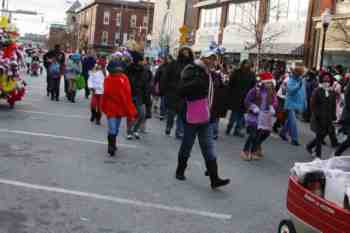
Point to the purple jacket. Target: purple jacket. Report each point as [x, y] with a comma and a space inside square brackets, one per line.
[252, 117]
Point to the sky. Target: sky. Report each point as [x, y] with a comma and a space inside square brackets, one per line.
[53, 12]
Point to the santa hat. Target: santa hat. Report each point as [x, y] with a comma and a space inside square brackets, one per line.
[266, 77]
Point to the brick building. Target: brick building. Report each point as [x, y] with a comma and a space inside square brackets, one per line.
[337, 46]
[107, 24]
[57, 35]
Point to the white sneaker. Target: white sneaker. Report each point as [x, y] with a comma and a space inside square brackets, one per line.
[137, 135]
[130, 137]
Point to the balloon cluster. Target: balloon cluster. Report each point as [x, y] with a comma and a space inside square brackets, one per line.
[12, 87]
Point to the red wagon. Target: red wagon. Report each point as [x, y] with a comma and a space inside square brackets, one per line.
[311, 213]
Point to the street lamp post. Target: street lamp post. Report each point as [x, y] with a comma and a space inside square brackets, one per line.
[326, 19]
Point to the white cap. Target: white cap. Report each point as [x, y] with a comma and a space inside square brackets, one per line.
[208, 53]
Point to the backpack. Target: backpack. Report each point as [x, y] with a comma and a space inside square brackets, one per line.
[54, 70]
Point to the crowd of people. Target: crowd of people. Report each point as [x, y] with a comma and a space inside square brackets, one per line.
[193, 94]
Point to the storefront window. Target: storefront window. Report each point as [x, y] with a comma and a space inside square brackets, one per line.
[243, 13]
[210, 17]
[291, 10]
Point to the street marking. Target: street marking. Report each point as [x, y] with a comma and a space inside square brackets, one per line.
[118, 200]
[53, 114]
[62, 137]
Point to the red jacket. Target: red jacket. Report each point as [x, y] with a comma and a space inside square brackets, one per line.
[116, 99]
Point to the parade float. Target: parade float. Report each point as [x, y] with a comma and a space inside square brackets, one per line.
[12, 86]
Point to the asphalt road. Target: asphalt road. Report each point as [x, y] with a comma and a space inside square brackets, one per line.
[56, 177]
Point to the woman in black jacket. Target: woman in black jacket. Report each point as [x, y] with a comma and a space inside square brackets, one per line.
[196, 85]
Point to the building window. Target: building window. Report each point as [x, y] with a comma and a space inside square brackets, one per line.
[118, 19]
[106, 16]
[133, 20]
[117, 38]
[104, 38]
[243, 13]
[291, 10]
[145, 21]
[210, 17]
[131, 36]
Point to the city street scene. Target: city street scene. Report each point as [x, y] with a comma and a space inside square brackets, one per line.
[174, 116]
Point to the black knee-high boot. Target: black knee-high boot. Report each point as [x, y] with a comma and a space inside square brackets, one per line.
[181, 167]
[93, 115]
[98, 118]
[112, 147]
[215, 180]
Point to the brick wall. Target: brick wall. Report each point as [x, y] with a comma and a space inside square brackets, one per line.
[125, 26]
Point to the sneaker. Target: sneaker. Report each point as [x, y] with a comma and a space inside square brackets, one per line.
[137, 135]
[255, 156]
[130, 137]
[245, 155]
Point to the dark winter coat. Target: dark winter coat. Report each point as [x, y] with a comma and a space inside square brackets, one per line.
[88, 64]
[158, 77]
[58, 55]
[323, 111]
[219, 106]
[240, 83]
[194, 84]
[345, 117]
[170, 83]
[139, 79]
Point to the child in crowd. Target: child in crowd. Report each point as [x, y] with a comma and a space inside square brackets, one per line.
[260, 102]
[95, 84]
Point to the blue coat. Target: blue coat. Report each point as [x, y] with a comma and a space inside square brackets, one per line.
[296, 94]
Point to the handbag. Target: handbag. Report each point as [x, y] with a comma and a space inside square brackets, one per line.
[79, 82]
[265, 121]
[198, 111]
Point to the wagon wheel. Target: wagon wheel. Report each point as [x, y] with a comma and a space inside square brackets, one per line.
[286, 226]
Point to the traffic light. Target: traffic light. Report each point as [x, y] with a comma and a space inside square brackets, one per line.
[184, 35]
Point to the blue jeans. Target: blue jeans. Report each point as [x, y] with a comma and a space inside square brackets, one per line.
[133, 127]
[113, 125]
[205, 139]
[290, 126]
[214, 127]
[171, 114]
[238, 118]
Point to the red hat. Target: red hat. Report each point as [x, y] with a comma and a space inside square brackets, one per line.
[265, 77]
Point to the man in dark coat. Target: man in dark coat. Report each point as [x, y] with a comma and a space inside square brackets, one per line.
[139, 78]
[160, 73]
[169, 85]
[59, 56]
[323, 110]
[241, 81]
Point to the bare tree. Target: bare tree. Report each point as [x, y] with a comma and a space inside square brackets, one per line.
[256, 14]
[340, 32]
